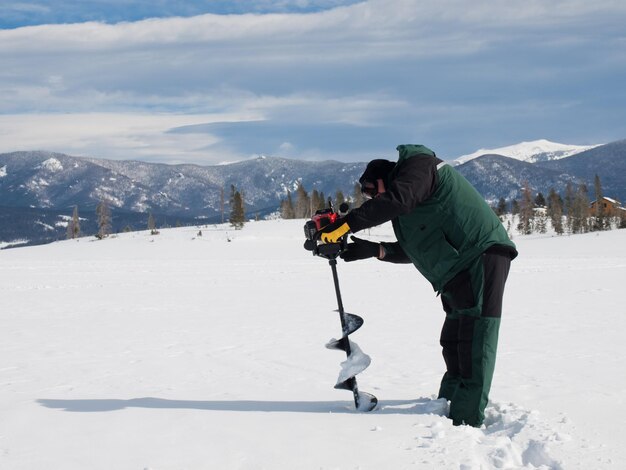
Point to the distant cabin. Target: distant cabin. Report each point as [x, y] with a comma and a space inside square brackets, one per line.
[611, 207]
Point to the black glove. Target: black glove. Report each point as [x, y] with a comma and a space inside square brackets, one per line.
[360, 249]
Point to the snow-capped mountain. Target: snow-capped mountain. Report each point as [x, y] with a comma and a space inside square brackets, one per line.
[532, 152]
[40, 189]
[496, 176]
[57, 181]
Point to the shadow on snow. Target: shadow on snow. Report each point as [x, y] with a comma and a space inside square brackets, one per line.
[415, 406]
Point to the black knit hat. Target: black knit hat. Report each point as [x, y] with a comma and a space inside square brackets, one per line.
[376, 169]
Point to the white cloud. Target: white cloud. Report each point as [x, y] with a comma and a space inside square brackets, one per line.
[115, 90]
[117, 136]
[9, 8]
[382, 26]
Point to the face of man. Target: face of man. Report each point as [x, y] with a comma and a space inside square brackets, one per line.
[371, 189]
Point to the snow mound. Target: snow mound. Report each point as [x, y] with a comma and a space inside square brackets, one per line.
[512, 438]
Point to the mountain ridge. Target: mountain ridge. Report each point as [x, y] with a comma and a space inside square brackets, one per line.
[540, 150]
[58, 181]
[49, 181]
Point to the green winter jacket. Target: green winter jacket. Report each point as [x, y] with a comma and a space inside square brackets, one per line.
[442, 234]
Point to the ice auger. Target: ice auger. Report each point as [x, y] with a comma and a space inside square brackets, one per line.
[356, 361]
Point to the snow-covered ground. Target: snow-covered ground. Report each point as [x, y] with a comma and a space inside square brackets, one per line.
[176, 351]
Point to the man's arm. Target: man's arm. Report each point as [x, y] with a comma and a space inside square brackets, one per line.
[415, 181]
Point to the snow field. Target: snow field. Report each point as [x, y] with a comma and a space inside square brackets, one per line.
[184, 352]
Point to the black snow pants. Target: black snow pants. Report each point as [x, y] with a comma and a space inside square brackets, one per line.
[472, 301]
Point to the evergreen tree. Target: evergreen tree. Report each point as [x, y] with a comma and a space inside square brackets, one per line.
[358, 198]
[104, 219]
[540, 221]
[540, 200]
[152, 224]
[231, 199]
[526, 214]
[555, 211]
[286, 208]
[315, 201]
[222, 202]
[501, 208]
[237, 214]
[303, 203]
[514, 207]
[323, 201]
[570, 196]
[339, 199]
[243, 204]
[622, 219]
[508, 229]
[73, 226]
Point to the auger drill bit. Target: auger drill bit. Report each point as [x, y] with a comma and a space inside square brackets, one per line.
[356, 361]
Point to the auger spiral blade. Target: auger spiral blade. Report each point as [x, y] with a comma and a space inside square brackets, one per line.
[365, 401]
[351, 323]
[356, 361]
[341, 344]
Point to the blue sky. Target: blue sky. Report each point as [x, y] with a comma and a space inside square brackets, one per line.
[214, 81]
[14, 14]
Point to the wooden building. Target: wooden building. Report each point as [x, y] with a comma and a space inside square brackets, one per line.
[612, 207]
